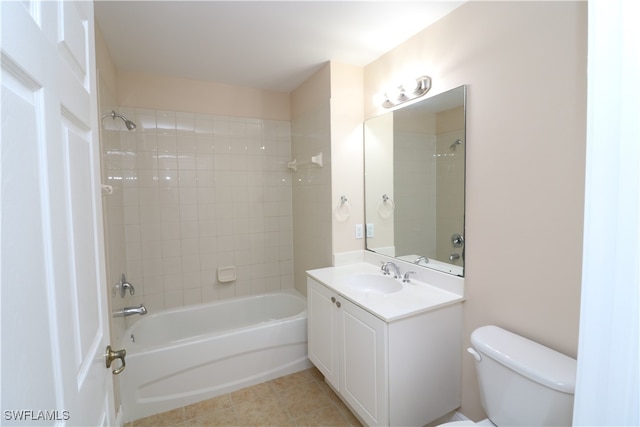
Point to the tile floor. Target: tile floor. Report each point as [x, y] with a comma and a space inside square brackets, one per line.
[300, 399]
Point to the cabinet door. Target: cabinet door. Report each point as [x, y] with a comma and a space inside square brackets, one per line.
[363, 363]
[322, 342]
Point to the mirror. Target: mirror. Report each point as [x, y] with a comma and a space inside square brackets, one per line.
[414, 182]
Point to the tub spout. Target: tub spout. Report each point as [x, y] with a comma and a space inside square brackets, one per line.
[128, 311]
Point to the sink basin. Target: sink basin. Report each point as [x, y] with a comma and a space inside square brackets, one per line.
[373, 283]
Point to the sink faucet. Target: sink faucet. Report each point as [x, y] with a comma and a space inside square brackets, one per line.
[421, 258]
[384, 268]
[128, 311]
[406, 278]
[396, 270]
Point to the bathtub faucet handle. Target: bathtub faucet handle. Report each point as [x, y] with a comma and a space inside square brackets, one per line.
[124, 285]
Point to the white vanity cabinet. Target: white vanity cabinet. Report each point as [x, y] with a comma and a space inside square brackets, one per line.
[348, 345]
[403, 372]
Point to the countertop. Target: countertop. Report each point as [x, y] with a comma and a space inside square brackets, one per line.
[415, 297]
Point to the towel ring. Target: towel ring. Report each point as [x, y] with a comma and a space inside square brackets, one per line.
[386, 207]
[342, 212]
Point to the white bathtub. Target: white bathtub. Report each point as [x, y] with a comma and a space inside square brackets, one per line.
[182, 356]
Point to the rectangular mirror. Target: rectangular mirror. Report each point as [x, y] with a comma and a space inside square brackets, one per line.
[415, 180]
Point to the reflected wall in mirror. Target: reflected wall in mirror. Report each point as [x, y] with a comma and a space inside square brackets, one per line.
[414, 182]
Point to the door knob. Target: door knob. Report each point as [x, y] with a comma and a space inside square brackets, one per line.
[111, 355]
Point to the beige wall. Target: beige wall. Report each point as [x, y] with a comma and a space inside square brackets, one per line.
[346, 155]
[525, 67]
[327, 118]
[194, 96]
[379, 181]
[108, 72]
[311, 135]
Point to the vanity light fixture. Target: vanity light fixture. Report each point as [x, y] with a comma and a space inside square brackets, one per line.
[407, 92]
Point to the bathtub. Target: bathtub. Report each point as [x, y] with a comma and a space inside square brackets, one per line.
[182, 356]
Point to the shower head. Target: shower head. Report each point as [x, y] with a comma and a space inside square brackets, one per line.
[453, 146]
[128, 123]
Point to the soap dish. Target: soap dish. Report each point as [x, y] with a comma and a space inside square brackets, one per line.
[226, 274]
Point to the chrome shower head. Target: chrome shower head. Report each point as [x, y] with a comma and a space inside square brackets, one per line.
[453, 146]
[128, 123]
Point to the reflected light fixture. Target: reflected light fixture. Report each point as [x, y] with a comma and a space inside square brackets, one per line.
[407, 92]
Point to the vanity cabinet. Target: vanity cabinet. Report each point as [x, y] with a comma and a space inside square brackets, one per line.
[403, 372]
[348, 345]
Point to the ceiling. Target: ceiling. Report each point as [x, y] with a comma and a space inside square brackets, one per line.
[274, 45]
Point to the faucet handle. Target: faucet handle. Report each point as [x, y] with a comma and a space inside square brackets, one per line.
[384, 268]
[127, 285]
[124, 285]
[406, 279]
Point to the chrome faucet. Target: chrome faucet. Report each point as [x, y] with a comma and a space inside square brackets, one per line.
[384, 268]
[421, 258]
[123, 286]
[406, 278]
[128, 311]
[396, 270]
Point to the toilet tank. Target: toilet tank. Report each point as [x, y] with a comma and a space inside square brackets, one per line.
[523, 383]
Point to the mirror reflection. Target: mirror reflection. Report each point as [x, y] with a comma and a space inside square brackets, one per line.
[414, 182]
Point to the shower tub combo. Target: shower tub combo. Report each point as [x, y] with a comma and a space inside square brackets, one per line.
[182, 356]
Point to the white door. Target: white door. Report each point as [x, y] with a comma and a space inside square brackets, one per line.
[54, 306]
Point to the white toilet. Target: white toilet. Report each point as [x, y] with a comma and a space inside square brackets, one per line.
[522, 383]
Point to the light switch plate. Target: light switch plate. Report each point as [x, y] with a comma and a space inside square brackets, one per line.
[370, 228]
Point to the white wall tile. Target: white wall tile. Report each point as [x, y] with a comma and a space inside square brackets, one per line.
[172, 282]
[192, 296]
[169, 213]
[171, 248]
[203, 191]
[167, 142]
[173, 299]
[170, 230]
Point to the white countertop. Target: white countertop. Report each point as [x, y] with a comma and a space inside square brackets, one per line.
[415, 297]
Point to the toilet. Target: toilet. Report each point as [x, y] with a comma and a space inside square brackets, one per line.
[522, 383]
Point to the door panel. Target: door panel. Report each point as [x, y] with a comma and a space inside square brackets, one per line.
[323, 350]
[23, 283]
[54, 307]
[363, 363]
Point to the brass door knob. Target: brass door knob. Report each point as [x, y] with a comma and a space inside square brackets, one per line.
[111, 355]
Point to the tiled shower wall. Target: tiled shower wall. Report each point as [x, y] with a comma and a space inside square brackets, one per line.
[202, 192]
